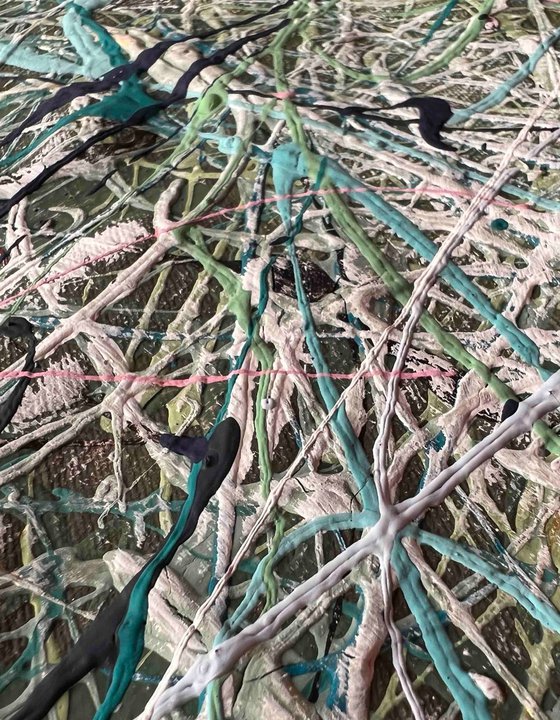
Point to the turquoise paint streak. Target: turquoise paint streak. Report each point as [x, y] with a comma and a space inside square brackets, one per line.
[287, 158]
[470, 699]
[383, 142]
[544, 612]
[442, 17]
[131, 630]
[27, 59]
[453, 275]
[287, 166]
[498, 95]
[93, 56]
[95, 62]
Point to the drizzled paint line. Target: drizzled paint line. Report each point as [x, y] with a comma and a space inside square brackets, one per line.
[121, 73]
[140, 115]
[246, 206]
[210, 379]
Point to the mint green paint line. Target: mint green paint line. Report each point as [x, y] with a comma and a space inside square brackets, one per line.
[453, 275]
[456, 48]
[131, 630]
[441, 18]
[469, 697]
[544, 612]
[498, 95]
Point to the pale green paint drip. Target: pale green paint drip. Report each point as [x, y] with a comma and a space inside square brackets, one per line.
[456, 48]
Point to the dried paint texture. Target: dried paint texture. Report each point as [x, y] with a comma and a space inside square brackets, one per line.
[266, 233]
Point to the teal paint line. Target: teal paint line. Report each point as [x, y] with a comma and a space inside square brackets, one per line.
[498, 95]
[442, 17]
[469, 697]
[118, 107]
[543, 612]
[332, 523]
[289, 158]
[288, 165]
[285, 170]
[453, 275]
[131, 630]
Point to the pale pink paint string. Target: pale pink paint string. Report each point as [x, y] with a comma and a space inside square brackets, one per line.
[225, 211]
[208, 379]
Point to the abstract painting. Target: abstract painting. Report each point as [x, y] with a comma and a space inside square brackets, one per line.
[280, 360]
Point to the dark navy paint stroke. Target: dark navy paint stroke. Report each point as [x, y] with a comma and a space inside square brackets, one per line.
[140, 115]
[509, 408]
[17, 327]
[195, 448]
[143, 62]
[98, 642]
[434, 113]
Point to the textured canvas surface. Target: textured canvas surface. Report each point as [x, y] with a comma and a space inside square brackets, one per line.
[335, 222]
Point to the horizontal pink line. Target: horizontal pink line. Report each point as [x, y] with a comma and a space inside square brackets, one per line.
[207, 379]
[245, 206]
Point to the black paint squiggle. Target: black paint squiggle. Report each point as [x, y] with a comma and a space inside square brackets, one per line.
[509, 408]
[434, 113]
[98, 642]
[143, 62]
[139, 116]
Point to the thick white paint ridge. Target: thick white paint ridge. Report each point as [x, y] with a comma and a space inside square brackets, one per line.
[379, 540]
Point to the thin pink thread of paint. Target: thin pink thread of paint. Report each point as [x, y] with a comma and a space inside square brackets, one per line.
[245, 206]
[209, 379]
